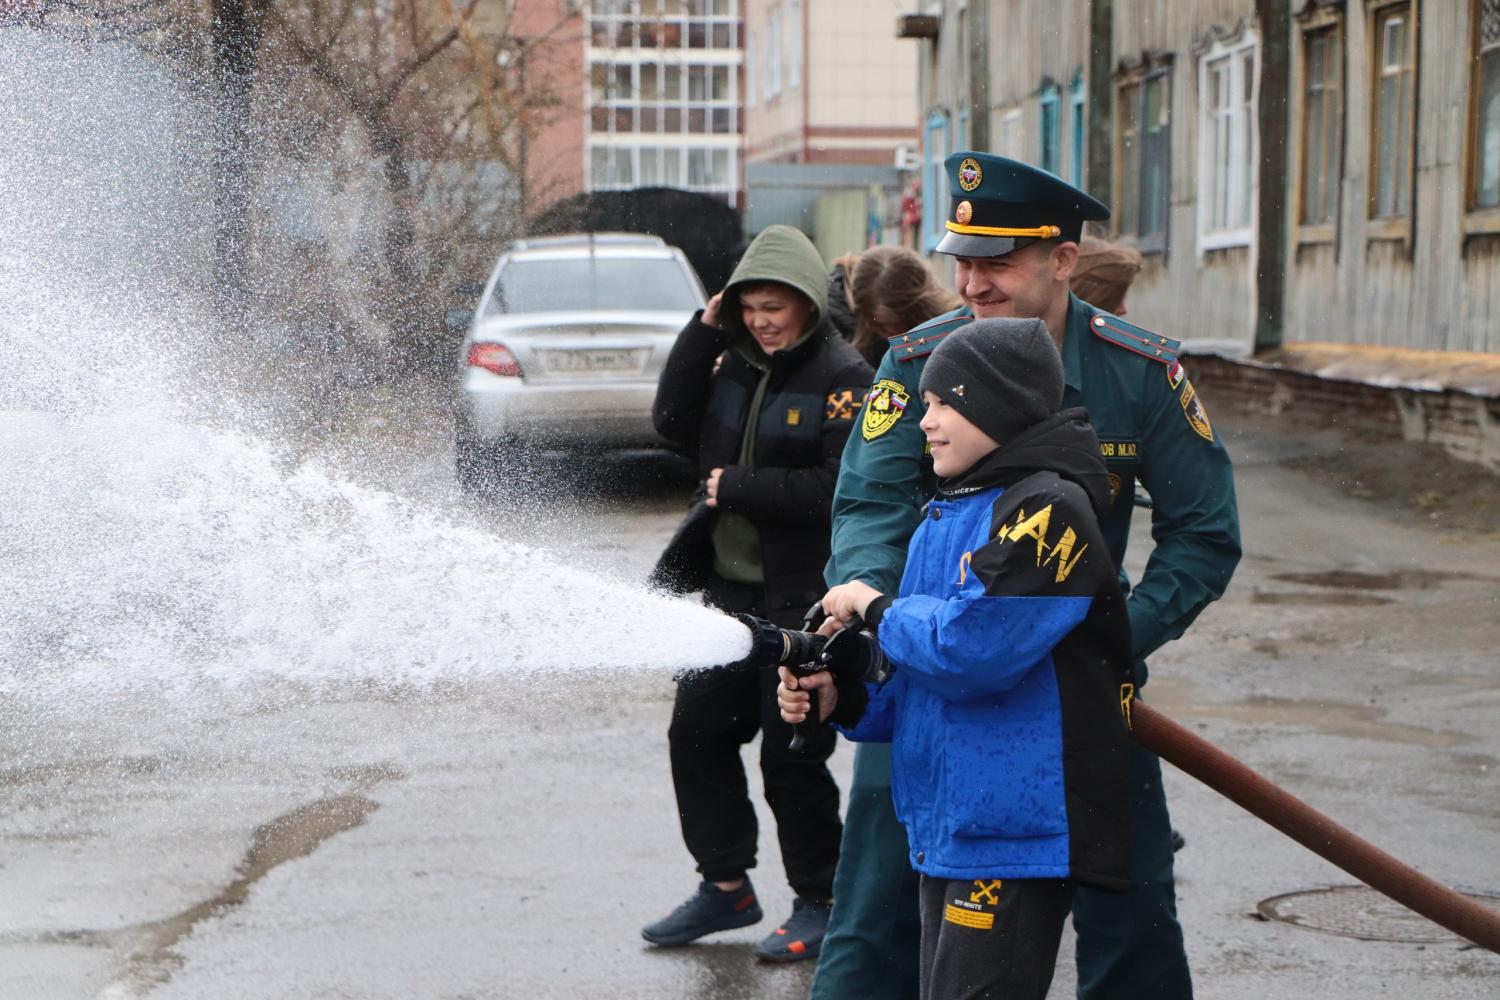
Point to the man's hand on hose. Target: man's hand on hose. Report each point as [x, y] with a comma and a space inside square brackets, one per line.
[791, 695]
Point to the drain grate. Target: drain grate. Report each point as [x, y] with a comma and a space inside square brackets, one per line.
[1360, 912]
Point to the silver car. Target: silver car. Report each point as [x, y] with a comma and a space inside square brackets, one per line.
[566, 346]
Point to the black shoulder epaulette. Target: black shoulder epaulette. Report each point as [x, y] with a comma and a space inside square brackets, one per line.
[921, 341]
[1116, 331]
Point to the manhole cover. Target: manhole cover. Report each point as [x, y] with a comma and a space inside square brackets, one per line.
[1357, 911]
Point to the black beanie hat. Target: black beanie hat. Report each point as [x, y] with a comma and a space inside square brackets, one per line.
[1003, 375]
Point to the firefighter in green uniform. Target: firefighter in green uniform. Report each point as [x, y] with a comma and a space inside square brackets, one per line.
[1014, 231]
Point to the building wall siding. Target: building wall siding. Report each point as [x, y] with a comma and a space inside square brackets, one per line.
[1438, 287]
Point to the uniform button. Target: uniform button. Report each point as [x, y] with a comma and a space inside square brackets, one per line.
[921, 856]
[937, 514]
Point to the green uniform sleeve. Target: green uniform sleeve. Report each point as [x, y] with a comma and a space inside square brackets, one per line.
[879, 493]
[1194, 521]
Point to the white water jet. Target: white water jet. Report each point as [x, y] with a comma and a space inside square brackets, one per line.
[145, 541]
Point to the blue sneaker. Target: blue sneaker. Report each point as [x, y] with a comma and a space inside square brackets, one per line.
[801, 937]
[708, 910]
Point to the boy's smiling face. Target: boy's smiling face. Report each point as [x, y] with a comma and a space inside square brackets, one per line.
[956, 444]
[776, 315]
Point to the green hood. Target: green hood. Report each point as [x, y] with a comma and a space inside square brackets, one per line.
[779, 253]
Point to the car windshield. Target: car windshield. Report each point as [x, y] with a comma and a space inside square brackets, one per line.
[588, 283]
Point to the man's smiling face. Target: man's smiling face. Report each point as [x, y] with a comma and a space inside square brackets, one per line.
[1018, 285]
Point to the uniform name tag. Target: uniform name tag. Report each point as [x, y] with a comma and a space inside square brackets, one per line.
[1118, 449]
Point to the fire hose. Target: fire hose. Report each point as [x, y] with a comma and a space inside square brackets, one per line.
[1385, 874]
[854, 652]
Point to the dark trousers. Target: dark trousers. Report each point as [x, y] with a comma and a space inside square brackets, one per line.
[715, 714]
[984, 939]
[871, 948]
[1129, 944]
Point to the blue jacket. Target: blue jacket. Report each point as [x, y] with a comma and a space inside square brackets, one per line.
[1008, 708]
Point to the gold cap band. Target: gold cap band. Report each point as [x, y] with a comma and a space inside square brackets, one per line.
[1039, 232]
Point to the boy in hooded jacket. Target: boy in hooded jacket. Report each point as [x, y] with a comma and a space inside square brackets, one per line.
[1008, 699]
[762, 393]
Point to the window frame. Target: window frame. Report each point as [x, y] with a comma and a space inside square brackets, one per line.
[1313, 21]
[1010, 137]
[1478, 218]
[1049, 124]
[1392, 225]
[1137, 81]
[1078, 126]
[1242, 178]
[935, 135]
[794, 44]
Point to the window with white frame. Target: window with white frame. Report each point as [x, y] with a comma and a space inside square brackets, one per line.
[1486, 125]
[773, 54]
[934, 179]
[794, 44]
[1393, 51]
[1226, 143]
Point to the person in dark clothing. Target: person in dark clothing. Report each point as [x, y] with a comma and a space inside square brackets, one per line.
[881, 293]
[1010, 672]
[761, 391]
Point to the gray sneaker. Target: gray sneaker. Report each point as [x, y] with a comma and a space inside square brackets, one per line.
[708, 910]
[801, 937]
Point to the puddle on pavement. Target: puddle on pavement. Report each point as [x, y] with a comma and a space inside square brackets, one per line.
[1349, 588]
[36, 774]
[290, 836]
[1327, 599]
[1349, 579]
[1332, 717]
[366, 776]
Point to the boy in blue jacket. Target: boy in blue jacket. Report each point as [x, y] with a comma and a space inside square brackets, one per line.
[1008, 705]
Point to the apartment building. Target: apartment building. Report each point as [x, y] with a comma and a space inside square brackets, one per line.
[663, 96]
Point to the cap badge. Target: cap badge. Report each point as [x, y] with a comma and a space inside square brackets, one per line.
[958, 390]
[970, 176]
[963, 213]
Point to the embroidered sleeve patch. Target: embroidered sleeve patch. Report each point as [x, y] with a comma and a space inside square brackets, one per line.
[1196, 412]
[841, 405]
[884, 406]
[1175, 375]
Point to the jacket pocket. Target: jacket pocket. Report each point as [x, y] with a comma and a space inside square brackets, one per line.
[1003, 779]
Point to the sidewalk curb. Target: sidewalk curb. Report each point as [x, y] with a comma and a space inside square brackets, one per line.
[1463, 419]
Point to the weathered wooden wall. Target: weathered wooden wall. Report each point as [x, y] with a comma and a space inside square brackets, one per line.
[1437, 288]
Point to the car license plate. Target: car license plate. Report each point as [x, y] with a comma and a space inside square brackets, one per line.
[594, 360]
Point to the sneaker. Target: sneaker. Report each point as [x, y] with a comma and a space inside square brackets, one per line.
[801, 937]
[708, 910]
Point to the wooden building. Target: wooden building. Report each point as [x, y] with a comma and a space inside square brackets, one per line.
[1292, 169]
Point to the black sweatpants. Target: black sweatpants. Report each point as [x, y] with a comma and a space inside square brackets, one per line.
[715, 714]
[984, 939]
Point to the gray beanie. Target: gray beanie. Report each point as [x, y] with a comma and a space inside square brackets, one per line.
[1003, 375]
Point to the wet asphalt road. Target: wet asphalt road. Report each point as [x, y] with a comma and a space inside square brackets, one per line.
[501, 840]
